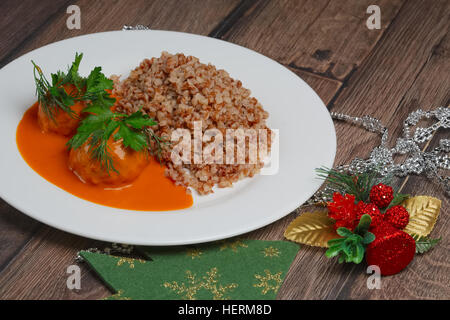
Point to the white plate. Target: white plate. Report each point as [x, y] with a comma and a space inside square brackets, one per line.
[307, 141]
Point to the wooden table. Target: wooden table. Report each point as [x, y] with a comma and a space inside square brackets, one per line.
[386, 73]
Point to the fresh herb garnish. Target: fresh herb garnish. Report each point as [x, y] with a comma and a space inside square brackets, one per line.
[97, 128]
[101, 123]
[53, 95]
[97, 86]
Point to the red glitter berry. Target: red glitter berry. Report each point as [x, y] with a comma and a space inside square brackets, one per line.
[343, 210]
[392, 250]
[397, 216]
[370, 209]
[381, 195]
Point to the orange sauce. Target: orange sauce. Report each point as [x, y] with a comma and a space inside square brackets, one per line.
[47, 154]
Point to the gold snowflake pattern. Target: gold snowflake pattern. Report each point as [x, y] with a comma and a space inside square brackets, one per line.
[233, 245]
[118, 296]
[271, 252]
[194, 253]
[208, 282]
[268, 281]
[131, 262]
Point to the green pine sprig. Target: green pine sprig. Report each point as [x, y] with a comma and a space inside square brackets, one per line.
[399, 198]
[352, 246]
[97, 128]
[424, 244]
[358, 185]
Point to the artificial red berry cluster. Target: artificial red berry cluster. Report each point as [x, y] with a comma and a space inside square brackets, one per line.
[393, 249]
[381, 195]
[347, 213]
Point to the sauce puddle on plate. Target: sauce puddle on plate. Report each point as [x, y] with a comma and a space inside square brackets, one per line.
[47, 154]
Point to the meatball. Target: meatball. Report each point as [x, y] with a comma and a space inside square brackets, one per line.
[62, 122]
[128, 162]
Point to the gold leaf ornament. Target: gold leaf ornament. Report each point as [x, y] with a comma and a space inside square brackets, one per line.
[423, 214]
[312, 228]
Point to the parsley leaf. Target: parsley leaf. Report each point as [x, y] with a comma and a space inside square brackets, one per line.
[97, 83]
[53, 95]
[98, 127]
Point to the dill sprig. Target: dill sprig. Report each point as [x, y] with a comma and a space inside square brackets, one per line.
[98, 127]
[52, 96]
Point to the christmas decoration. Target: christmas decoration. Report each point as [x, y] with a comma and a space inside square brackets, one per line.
[381, 195]
[423, 214]
[368, 218]
[397, 216]
[343, 211]
[370, 209]
[392, 249]
[312, 228]
[381, 158]
[352, 245]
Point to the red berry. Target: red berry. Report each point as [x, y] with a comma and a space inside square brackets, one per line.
[343, 210]
[381, 195]
[370, 209]
[392, 250]
[397, 216]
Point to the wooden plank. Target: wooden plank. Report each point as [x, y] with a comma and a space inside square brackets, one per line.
[326, 88]
[103, 15]
[15, 230]
[385, 85]
[328, 37]
[39, 271]
[20, 19]
[380, 85]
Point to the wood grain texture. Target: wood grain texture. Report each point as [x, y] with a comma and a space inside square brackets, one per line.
[15, 231]
[328, 37]
[385, 73]
[387, 86]
[379, 87]
[20, 19]
[39, 271]
[191, 16]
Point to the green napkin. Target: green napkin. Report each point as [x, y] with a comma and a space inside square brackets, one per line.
[232, 269]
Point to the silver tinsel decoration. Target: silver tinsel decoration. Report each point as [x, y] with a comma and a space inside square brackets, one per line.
[136, 27]
[382, 157]
[116, 248]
